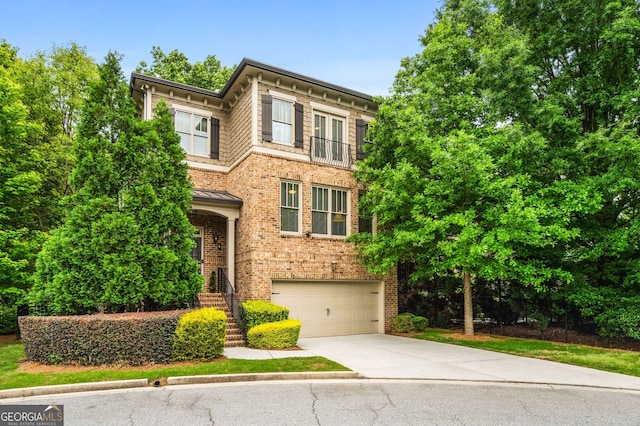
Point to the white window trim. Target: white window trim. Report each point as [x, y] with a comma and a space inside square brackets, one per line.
[329, 109]
[347, 217]
[203, 113]
[287, 98]
[184, 108]
[280, 206]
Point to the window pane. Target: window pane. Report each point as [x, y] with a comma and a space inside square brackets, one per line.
[185, 142]
[282, 111]
[319, 223]
[320, 199]
[200, 125]
[200, 145]
[338, 224]
[289, 206]
[320, 126]
[339, 212]
[281, 132]
[336, 130]
[289, 220]
[183, 122]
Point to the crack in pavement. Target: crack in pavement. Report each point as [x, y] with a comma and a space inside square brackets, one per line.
[313, 405]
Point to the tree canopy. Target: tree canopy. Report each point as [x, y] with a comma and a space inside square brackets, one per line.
[125, 243]
[508, 151]
[175, 66]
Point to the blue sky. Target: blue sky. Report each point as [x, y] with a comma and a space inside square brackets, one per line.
[353, 43]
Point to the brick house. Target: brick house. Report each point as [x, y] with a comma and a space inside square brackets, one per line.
[271, 157]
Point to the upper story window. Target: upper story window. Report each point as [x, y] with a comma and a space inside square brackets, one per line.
[329, 134]
[329, 211]
[199, 132]
[329, 143]
[282, 119]
[194, 133]
[289, 206]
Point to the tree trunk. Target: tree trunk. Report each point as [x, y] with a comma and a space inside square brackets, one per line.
[468, 304]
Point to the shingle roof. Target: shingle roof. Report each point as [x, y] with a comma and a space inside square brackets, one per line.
[207, 195]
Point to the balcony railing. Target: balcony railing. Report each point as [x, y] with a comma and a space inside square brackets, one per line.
[330, 152]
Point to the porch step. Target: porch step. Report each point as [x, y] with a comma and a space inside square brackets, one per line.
[233, 338]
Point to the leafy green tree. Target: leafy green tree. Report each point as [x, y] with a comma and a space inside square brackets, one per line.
[126, 241]
[585, 56]
[54, 86]
[175, 66]
[447, 175]
[20, 186]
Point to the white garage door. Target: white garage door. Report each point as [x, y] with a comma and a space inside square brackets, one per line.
[331, 308]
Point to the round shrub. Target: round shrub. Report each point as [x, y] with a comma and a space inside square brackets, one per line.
[419, 323]
[407, 322]
[200, 335]
[402, 323]
[256, 312]
[274, 335]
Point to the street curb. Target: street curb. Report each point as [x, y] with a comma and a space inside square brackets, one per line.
[76, 387]
[231, 378]
[181, 380]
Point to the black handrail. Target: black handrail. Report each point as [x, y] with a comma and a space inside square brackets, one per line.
[330, 152]
[230, 296]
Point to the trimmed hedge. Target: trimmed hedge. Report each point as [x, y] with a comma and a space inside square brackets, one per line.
[256, 312]
[406, 322]
[131, 338]
[274, 335]
[200, 335]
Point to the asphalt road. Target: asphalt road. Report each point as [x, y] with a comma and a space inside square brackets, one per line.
[349, 402]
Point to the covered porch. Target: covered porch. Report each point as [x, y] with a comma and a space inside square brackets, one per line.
[214, 214]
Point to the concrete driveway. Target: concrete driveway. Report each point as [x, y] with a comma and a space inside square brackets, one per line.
[394, 357]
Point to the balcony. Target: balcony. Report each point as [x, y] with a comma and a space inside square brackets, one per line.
[330, 152]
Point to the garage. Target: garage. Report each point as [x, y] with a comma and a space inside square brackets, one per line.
[332, 308]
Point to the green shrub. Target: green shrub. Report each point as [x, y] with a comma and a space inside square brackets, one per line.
[407, 322]
[419, 323]
[402, 323]
[132, 339]
[274, 335]
[256, 312]
[200, 335]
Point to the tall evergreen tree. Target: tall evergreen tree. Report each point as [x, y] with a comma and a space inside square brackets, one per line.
[126, 241]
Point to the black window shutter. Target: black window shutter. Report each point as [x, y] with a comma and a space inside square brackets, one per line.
[215, 138]
[299, 122]
[361, 128]
[267, 116]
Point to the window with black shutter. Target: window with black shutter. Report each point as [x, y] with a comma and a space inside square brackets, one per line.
[215, 138]
[361, 132]
[267, 114]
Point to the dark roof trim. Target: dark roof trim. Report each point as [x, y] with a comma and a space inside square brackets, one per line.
[157, 80]
[218, 197]
[246, 62]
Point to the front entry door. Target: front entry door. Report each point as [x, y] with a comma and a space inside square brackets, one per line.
[196, 251]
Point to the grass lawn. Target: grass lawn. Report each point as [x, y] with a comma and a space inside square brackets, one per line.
[11, 377]
[613, 360]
